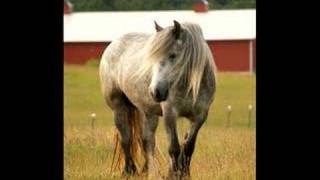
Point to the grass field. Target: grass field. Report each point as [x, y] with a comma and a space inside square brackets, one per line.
[221, 152]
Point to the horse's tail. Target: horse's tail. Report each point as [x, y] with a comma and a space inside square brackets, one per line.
[134, 119]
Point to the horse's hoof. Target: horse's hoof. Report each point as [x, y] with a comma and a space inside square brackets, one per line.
[185, 176]
[128, 172]
[173, 175]
[145, 168]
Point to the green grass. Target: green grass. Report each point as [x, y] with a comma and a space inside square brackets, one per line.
[221, 153]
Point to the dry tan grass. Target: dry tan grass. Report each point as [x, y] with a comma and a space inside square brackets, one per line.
[220, 153]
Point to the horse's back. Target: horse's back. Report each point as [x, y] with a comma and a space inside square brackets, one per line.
[125, 44]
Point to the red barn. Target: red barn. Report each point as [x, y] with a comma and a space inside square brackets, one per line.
[230, 34]
[201, 6]
[67, 7]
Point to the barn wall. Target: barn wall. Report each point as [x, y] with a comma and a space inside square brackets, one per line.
[254, 55]
[231, 55]
[67, 9]
[228, 55]
[80, 53]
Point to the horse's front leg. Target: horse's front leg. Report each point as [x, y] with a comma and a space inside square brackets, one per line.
[189, 144]
[148, 138]
[174, 149]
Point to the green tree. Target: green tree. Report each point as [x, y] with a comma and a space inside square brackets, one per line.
[136, 5]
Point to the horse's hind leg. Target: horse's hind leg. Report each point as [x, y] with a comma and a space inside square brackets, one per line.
[121, 112]
[148, 138]
[189, 144]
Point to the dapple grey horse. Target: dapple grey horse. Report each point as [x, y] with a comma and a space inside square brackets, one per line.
[170, 73]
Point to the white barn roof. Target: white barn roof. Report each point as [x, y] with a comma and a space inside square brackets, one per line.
[106, 26]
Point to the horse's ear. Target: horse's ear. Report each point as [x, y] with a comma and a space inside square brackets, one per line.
[158, 28]
[176, 29]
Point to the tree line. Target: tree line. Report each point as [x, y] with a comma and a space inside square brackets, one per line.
[140, 5]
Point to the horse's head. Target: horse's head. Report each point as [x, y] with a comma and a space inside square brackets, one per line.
[176, 57]
[170, 40]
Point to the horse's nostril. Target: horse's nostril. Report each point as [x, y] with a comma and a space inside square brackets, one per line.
[166, 93]
[157, 94]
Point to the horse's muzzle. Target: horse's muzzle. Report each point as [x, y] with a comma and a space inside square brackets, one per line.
[160, 95]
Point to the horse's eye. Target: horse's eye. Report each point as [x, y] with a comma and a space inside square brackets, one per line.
[162, 63]
[172, 56]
